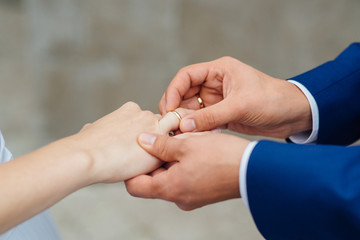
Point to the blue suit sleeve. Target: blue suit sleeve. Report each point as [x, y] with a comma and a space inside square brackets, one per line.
[305, 191]
[335, 85]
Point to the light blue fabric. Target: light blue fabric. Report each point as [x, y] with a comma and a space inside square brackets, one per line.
[40, 227]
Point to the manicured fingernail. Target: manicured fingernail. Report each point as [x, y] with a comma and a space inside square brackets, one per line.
[188, 125]
[147, 139]
[216, 130]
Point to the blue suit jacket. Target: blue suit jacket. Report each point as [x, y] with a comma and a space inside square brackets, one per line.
[313, 191]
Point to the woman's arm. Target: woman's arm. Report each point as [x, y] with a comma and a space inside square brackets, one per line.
[34, 182]
[104, 151]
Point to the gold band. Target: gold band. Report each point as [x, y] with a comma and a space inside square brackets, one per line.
[201, 102]
[177, 115]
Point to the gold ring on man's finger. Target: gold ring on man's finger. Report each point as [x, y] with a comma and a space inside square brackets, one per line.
[201, 102]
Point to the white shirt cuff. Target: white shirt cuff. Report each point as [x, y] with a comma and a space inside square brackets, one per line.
[307, 136]
[299, 138]
[243, 170]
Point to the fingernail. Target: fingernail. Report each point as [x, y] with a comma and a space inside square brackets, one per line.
[188, 125]
[216, 130]
[147, 139]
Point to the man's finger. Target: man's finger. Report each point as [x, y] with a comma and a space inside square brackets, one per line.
[164, 148]
[190, 103]
[146, 186]
[157, 171]
[208, 118]
[187, 78]
[192, 134]
[140, 186]
[162, 105]
[192, 92]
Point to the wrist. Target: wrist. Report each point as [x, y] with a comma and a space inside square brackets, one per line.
[297, 110]
[239, 147]
[80, 158]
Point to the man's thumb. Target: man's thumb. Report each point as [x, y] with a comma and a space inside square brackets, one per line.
[163, 147]
[207, 118]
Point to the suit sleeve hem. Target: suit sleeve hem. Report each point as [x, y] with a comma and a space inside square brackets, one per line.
[307, 136]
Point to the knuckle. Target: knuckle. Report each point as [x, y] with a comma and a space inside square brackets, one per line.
[188, 199]
[132, 192]
[147, 113]
[208, 120]
[184, 207]
[86, 126]
[163, 151]
[161, 148]
[227, 59]
[181, 195]
[182, 70]
[131, 105]
[131, 189]
[186, 202]
[230, 60]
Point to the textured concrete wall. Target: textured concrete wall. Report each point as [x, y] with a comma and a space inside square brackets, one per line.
[67, 62]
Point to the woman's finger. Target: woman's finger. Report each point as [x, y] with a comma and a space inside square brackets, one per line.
[171, 120]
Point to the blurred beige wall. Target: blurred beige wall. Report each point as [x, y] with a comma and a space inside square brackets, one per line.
[64, 63]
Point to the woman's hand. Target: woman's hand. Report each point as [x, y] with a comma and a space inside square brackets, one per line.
[103, 151]
[238, 97]
[111, 142]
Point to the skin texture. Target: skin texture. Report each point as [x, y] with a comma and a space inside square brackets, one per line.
[203, 168]
[237, 97]
[104, 151]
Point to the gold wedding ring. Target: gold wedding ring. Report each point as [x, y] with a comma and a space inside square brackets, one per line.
[201, 102]
[177, 115]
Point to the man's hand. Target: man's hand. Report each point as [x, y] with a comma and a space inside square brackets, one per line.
[238, 97]
[202, 168]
